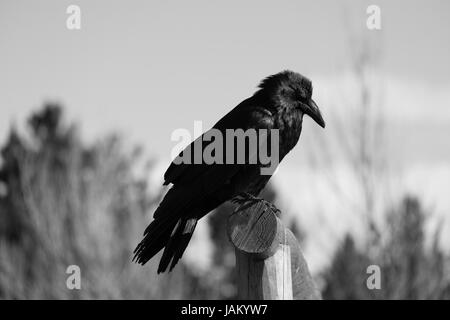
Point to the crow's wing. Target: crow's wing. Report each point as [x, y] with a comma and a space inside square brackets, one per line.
[197, 189]
[247, 115]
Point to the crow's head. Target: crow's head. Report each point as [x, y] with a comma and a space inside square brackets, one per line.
[289, 89]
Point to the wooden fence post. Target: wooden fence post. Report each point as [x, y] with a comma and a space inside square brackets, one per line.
[269, 262]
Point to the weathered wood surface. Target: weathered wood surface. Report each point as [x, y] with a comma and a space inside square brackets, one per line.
[269, 261]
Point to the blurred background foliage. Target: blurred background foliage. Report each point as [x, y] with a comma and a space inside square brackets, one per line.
[410, 268]
[63, 202]
[66, 203]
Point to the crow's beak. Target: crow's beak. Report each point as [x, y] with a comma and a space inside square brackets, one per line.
[313, 111]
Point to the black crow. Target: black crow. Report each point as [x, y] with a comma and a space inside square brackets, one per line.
[279, 103]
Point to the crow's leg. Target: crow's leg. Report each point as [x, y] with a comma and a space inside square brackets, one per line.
[247, 199]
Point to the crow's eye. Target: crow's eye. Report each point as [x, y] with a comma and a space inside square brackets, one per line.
[301, 95]
[298, 94]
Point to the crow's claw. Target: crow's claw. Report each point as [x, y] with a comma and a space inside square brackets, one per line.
[273, 208]
[245, 200]
[244, 197]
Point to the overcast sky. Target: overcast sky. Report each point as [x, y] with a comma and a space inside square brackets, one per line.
[146, 68]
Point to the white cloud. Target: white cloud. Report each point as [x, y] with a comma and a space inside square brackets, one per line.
[327, 216]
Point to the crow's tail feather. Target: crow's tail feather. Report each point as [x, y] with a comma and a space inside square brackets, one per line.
[172, 232]
[156, 236]
[172, 227]
[177, 243]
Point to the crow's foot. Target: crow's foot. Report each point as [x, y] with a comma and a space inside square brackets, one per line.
[245, 200]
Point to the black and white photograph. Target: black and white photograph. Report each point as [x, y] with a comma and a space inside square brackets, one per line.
[224, 151]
